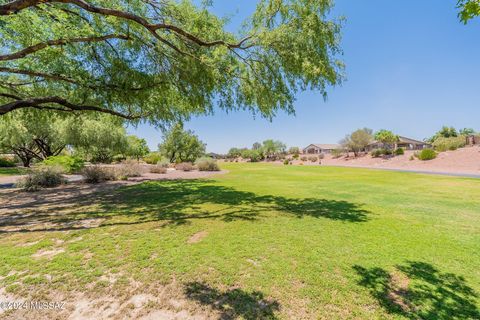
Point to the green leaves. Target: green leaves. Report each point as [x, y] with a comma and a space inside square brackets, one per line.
[469, 9]
[171, 59]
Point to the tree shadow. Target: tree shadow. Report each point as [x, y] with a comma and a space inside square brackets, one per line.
[234, 303]
[175, 202]
[417, 290]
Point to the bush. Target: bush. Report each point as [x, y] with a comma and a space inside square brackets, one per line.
[313, 159]
[376, 153]
[44, 177]
[5, 163]
[452, 143]
[184, 166]
[207, 164]
[158, 169]
[68, 164]
[303, 158]
[164, 163]
[96, 174]
[129, 168]
[399, 152]
[412, 158]
[337, 153]
[153, 158]
[427, 154]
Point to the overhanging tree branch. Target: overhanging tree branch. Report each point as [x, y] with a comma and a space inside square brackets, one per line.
[18, 5]
[39, 103]
[42, 45]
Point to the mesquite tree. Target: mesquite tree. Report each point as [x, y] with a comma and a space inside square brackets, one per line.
[162, 60]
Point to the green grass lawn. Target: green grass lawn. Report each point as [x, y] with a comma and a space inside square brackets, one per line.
[12, 171]
[269, 242]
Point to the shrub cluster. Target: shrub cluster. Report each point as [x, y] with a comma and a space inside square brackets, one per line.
[164, 163]
[5, 163]
[426, 154]
[304, 158]
[153, 158]
[381, 152]
[68, 164]
[399, 152]
[207, 164]
[42, 177]
[452, 143]
[129, 168]
[184, 166]
[313, 158]
[158, 169]
[98, 173]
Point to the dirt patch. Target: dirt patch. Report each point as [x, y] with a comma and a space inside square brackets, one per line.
[47, 254]
[398, 291]
[197, 237]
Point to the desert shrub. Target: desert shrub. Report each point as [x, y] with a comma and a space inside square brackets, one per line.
[313, 159]
[427, 154]
[452, 143]
[97, 174]
[164, 163]
[304, 158]
[376, 153]
[5, 163]
[295, 156]
[68, 164]
[119, 158]
[153, 158]
[399, 152]
[337, 153]
[207, 164]
[184, 166]
[287, 161]
[158, 169]
[42, 177]
[321, 156]
[129, 168]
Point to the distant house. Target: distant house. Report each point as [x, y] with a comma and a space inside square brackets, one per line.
[318, 148]
[403, 142]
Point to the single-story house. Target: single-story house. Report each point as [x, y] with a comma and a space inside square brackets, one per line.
[403, 142]
[319, 148]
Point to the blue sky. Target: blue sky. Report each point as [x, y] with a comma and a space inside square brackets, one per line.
[411, 67]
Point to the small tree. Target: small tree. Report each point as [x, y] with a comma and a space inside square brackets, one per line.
[136, 147]
[257, 146]
[234, 153]
[181, 145]
[466, 131]
[387, 138]
[358, 140]
[272, 148]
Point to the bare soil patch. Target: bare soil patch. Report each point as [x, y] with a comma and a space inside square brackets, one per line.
[197, 237]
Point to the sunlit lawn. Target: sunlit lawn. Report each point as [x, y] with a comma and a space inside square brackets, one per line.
[271, 241]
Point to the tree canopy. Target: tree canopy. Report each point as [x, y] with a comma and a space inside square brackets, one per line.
[469, 9]
[358, 140]
[181, 145]
[386, 137]
[163, 60]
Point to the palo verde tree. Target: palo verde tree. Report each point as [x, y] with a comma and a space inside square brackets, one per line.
[357, 140]
[181, 145]
[136, 147]
[163, 60]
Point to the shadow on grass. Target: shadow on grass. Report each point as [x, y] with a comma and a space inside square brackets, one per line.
[176, 202]
[418, 290]
[234, 303]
